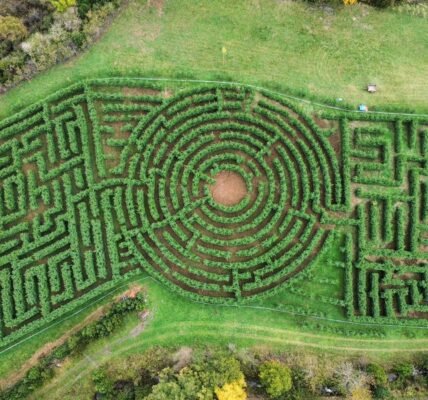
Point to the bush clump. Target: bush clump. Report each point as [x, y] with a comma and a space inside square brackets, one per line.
[276, 378]
[33, 37]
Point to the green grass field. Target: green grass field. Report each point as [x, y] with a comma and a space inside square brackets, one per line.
[329, 53]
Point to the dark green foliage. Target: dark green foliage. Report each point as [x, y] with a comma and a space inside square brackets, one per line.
[108, 323]
[300, 389]
[383, 3]
[381, 393]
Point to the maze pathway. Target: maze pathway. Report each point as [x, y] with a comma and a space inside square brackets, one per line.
[109, 177]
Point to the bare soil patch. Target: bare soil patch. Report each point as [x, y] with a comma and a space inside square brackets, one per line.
[229, 188]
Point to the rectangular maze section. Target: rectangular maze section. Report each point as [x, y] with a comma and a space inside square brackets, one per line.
[388, 170]
[60, 241]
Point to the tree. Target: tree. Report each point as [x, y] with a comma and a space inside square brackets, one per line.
[12, 29]
[200, 380]
[276, 378]
[350, 378]
[232, 391]
[102, 382]
[62, 5]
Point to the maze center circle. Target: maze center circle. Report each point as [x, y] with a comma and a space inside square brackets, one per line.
[223, 207]
[228, 189]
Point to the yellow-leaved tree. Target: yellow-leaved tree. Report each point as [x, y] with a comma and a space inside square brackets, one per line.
[62, 5]
[232, 391]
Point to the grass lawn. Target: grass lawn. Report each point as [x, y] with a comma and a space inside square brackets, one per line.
[328, 52]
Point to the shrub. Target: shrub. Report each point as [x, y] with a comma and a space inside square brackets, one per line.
[378, 373]
[382, 3]
[103, 384]
[381, 393]
[232, 391]
[47, 49]
[36, 15]
[12, 29]
[200, 380]
[360, 393]
[85, 6]
[94, 21]
[404, 371]
[276, 378]
[62, 5]
[44, 370]
[11, 65]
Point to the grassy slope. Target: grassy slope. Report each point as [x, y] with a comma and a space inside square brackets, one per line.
[12, 357]
[269, 43]
[330, 53]
[175, 321]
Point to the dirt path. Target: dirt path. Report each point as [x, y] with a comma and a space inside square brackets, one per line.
[81, 368]
[48, 347]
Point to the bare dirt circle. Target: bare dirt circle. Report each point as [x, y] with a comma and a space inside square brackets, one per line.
[229, 188]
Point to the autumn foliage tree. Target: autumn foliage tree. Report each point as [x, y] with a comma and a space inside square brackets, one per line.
[232, 391]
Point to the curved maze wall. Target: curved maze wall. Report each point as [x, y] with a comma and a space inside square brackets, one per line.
[111, 176]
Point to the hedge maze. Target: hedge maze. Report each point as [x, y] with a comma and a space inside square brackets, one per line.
[109, 177]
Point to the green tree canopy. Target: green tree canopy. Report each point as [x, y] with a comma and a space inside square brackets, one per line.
[198, 381]
[12, 29]
[276, 378]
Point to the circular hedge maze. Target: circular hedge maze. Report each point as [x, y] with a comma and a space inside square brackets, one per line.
[221, 192]
[204, 246]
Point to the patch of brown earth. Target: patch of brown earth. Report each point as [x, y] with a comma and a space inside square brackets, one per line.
[229, 188]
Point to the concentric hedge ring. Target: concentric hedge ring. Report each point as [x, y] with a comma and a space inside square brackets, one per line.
[183, 236]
